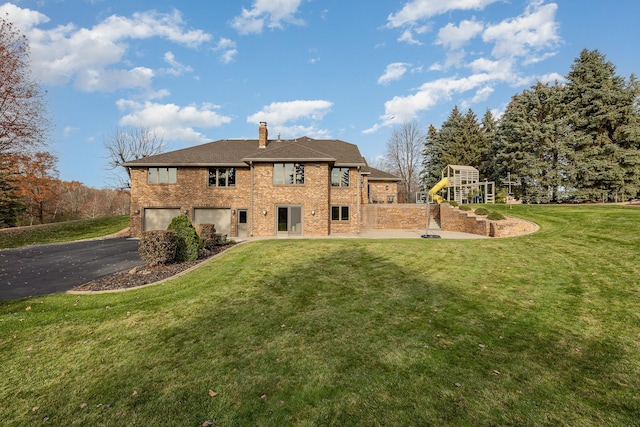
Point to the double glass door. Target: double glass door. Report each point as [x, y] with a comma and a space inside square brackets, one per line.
[289, 220]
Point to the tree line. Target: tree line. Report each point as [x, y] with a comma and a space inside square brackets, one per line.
[578, 140]
[30, 189]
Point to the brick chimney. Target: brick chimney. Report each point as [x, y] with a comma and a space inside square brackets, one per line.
[263, 135]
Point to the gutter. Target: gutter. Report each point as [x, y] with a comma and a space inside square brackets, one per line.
[251, 199]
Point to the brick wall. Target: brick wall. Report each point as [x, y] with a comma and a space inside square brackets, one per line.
[191, 191]
[380, 192]
[396, 216]
[453, 219]
[313, 196]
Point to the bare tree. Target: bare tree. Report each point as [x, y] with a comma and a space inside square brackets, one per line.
[23, 121]
[403, 157]
[128, 144]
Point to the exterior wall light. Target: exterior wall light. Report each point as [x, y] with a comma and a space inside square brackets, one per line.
[137, 211]
[313, 212]
[264, 212]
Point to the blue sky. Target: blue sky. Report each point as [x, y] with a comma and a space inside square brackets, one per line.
[197, 71]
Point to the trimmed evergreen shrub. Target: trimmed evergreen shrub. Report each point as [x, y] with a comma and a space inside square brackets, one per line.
[482, 211]
[207, 235]
[158, 246]
[188, 245]
[495, 216]
[465, 208]
[453, 203]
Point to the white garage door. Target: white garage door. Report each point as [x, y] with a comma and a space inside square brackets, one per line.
[158, 218]
[220, 217]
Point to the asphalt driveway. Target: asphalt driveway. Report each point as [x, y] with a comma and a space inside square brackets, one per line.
[48, 269]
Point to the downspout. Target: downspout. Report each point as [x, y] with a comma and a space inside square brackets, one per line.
[359, 201]
[251, 198]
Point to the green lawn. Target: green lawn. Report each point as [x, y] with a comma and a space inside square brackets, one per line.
[62, 231]
[536, 330]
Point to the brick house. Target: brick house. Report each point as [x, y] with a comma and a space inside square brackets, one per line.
[300, 187]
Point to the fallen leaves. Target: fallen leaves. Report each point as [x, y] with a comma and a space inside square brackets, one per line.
[212, 393]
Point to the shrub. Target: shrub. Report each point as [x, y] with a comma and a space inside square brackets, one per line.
[207, 235]
[465, 208]
[482, 211]
[158, 246]
[188, 242]
[453, 203]
[495, 216]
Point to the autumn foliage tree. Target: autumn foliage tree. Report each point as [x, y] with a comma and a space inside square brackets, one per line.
[23, 122]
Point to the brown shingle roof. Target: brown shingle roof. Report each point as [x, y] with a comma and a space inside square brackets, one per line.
[378, 175]
[229, 152]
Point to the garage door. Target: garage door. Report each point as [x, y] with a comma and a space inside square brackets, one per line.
[158, 218]
[220, 217]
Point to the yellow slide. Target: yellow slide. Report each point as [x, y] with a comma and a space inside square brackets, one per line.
[439, 186]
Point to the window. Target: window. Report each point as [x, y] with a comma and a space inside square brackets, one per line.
[340, 177]
[339, 213]
[288, 173]
[222, 177]
[163, 175]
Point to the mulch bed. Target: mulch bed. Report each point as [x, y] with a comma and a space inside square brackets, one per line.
[145, 274]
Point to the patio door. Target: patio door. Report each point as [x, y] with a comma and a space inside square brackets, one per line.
[289, 220]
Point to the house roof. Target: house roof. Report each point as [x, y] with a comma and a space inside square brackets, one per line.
[239, 152]
[378, 175]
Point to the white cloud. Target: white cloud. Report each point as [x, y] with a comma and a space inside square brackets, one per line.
[228, 49]
[272, 13]
[177, 69]
[454, 37]
[94, 57]
[279, 115]
[393, 72]
[110, 80]
[417, 10]
[534, 30]
[174, 122]
[481, 95]
[405, 108]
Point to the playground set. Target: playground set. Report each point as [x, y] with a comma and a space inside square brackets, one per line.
[463, 185]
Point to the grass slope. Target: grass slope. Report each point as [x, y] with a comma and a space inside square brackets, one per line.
[536, 330]
[62, 231]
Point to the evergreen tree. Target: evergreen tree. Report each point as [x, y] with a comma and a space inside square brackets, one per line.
[430, 160]
[489, 127]
[11, 204]
[603, 119]
[532, 143]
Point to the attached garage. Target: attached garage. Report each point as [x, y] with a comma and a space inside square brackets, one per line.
[219, 216]
[158, 218]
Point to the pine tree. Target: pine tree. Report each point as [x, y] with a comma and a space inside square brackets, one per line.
[532, 143]
[11, 204]
[430, 160]
[603, 119]
[489, 127]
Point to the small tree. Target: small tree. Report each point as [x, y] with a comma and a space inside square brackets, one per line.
[23, 122]
[188, 242]
[403, 155]
[128, 144]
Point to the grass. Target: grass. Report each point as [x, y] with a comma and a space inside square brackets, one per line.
[536, 330]
[62, 231]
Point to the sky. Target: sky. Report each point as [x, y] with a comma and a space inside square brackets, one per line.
[200, 71]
